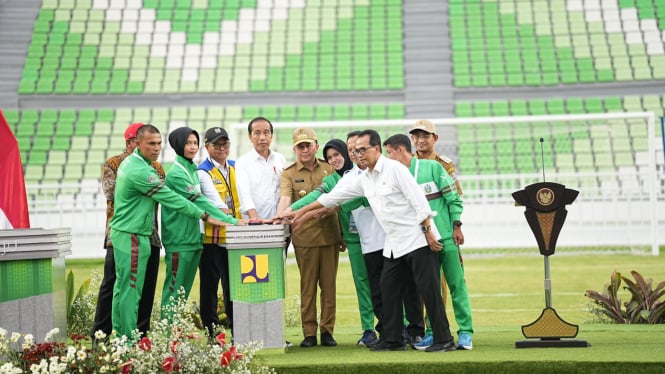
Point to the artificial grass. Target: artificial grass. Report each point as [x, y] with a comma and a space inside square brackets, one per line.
[625, 348]
[506, 292]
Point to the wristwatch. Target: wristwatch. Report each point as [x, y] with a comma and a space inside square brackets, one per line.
[205, 216]
[457, 223]
[426, 228]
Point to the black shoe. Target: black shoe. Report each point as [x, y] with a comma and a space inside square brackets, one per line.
[383, 346]
[309, 341]
[377, 341]
[328, 340]
[441, 347]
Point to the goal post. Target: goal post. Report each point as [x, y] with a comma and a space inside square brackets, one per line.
[611, 158]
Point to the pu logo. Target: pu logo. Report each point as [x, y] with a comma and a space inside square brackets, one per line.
[254, 269]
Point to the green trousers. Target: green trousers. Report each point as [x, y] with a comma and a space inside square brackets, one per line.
[131, 253]
[361, 281]
[453, 270]
[180, 272]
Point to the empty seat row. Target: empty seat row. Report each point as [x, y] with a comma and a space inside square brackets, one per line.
[545, 43]
[70, 145]
[247, 46]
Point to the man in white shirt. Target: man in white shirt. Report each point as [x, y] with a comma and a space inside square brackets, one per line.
[372, 238]
[411, 247]
[258, 173]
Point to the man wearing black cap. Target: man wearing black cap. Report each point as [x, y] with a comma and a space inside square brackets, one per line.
[218, 183]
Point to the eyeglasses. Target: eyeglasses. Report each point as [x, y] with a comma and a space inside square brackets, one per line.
[225, 145]
[361, 151]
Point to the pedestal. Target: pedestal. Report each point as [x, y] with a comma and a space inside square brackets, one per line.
[256, 274]
[32, 279]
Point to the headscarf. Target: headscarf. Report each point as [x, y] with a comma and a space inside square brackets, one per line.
[340, 147]
[178, 139]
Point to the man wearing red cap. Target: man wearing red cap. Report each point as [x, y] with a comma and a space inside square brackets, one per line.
[105, 297]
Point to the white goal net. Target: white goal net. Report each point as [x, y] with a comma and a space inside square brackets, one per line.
[615, 161]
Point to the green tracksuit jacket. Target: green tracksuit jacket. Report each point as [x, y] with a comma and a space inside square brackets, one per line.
[137, 189]
[433, 178]
[181, 235]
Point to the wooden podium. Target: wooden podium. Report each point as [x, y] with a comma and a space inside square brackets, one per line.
[546, 212]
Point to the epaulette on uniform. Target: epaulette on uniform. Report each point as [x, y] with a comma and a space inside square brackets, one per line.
[447, 163]
[444, 159]
[290, 165]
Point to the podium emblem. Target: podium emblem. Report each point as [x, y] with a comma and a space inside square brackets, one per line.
[545, 196]
[254, 269]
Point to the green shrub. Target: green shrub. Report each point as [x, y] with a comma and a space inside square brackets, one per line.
[646, 305]
[81, 305]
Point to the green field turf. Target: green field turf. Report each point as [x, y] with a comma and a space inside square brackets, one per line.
[506, 292]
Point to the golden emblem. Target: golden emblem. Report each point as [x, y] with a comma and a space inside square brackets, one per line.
[545, 196]
[302, 193]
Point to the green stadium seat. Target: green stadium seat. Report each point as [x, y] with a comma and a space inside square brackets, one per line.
[556, 45]
[34, 172]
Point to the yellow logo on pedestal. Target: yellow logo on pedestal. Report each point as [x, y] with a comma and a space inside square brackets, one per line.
[254, 269]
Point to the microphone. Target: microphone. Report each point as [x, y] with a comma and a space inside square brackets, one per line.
[542, 157]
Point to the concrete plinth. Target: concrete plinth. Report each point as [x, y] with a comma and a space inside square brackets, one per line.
[259, 322]
[32, 275]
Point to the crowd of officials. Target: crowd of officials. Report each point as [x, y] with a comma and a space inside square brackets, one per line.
[399, 218]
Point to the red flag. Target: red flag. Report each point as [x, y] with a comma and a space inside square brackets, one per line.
[13, 200]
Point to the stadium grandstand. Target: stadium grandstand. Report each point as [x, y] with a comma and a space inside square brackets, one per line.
[75, 73]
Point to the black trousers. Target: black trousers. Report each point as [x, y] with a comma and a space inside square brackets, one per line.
[374, 265]
[105, 296]
[213, 267]
[413, 307]
[410, 298]
[422, 266]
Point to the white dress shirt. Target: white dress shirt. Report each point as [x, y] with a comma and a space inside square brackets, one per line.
[397, 201]
[208, 188]
[372, 236]
[257, 180]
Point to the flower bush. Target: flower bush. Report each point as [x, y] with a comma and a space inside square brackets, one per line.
[174, 346]
[81, 306]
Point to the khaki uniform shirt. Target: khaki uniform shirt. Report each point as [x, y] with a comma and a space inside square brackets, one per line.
[297, 181]
[447, 164]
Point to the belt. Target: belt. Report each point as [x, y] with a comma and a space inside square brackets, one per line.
[434, 195]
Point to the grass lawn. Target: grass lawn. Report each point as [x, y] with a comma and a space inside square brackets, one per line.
[506, 292]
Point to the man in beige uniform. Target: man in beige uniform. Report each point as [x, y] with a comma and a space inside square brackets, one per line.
[424, 136]
[317, 242]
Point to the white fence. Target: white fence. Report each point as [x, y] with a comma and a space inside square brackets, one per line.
[619, 206]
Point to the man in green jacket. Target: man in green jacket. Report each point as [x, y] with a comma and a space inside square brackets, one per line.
[137, 189]
[181, 235]
[441, 192]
